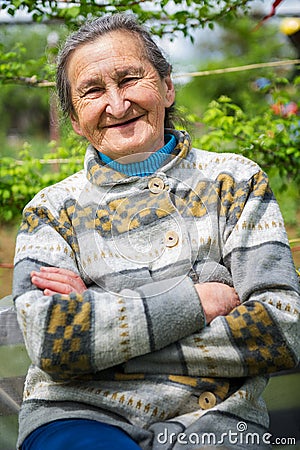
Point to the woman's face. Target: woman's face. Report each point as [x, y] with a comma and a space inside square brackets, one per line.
[118, 97]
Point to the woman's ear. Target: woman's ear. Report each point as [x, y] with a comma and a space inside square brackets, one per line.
[75, 124]
[170, 92]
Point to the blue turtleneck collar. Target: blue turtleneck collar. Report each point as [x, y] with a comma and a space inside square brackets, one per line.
[149, 165]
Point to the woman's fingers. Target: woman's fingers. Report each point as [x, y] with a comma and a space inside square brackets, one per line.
[57, 280]
[53, 285]
[49, 292]
[217, 299]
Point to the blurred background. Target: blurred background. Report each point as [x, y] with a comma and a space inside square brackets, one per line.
[236, 67]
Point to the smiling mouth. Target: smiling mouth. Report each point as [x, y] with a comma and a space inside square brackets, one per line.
[123, 124]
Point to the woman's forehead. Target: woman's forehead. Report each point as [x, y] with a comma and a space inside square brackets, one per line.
[120, 52]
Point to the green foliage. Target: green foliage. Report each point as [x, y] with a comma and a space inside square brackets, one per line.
[20, 180]
[269, 139]
[25, 56]
[13, 67]
[184, 17]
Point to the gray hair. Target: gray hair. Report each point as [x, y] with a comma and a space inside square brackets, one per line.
[91, 31]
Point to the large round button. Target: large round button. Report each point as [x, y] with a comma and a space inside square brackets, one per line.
[207, 400]
[156, 185]
[171, 238]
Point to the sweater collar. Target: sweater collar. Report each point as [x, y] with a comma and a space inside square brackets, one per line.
[102, 174]
[149, 165]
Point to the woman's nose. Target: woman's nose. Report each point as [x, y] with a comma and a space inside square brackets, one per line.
[117, 106]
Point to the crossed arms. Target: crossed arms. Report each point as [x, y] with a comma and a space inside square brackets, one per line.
[217, 299]
[217, 335]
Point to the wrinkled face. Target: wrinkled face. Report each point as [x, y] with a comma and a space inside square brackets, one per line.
[118, 97]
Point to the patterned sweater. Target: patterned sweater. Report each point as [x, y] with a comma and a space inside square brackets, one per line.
[134, 350]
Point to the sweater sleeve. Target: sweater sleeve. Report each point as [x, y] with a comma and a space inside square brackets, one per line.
[262, 334]
[69, 336]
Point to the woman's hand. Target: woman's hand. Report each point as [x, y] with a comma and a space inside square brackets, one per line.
[217, 299]
[55, 280]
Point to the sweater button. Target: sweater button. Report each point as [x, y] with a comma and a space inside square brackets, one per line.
[156, 185]
[171, 239]
[207, 400]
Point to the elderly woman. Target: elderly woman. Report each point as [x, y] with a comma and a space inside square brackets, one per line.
[155, 288]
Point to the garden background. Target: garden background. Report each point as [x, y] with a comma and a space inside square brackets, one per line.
[237, 74]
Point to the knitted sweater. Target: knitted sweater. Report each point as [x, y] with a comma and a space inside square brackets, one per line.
[134, 349]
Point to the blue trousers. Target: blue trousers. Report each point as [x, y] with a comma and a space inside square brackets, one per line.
[78, 434]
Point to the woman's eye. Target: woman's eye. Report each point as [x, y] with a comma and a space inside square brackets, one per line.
[94, 90]
[129, 80]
